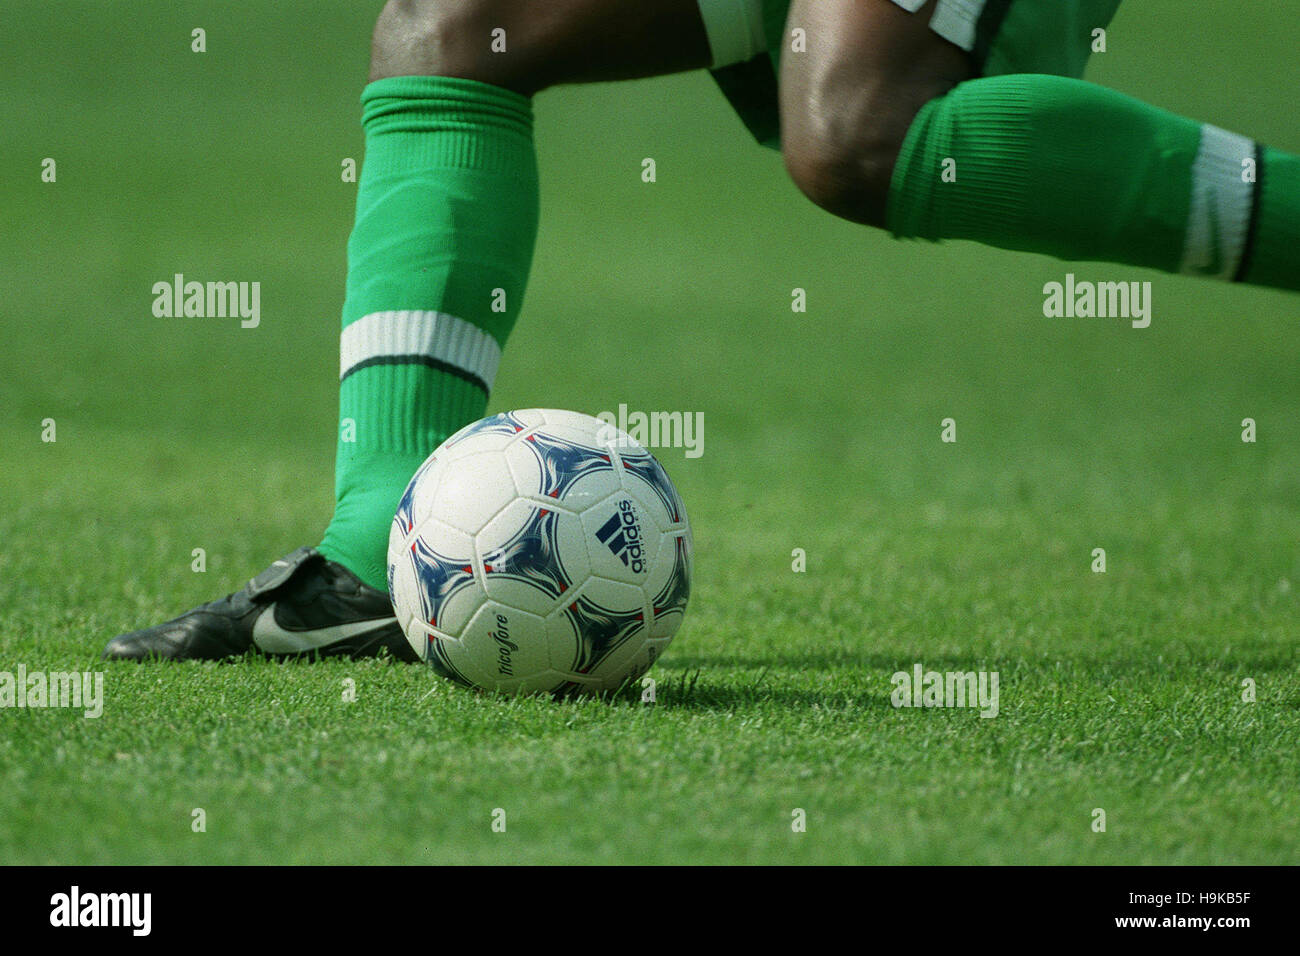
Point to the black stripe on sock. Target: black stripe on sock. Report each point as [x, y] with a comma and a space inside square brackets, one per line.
[428, 360]
[1248, 247]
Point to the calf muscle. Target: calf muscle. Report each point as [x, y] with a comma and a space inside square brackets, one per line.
[527, 45]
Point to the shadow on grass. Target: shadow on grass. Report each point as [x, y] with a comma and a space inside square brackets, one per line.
[712, 683]
[839, 680]
[693, 692]
[734, 682]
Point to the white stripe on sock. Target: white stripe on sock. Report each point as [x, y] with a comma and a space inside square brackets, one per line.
[434, 335]
[1219, 216]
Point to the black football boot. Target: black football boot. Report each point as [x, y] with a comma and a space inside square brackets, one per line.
[300, 605]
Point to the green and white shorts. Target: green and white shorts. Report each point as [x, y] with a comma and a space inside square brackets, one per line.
[747, 38]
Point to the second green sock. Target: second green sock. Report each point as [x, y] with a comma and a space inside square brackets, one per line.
[1071, 169]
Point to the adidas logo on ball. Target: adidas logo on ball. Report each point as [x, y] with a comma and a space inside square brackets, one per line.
[622, 535]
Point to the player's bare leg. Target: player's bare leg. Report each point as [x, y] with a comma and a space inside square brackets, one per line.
[544, 43]
[447, 213]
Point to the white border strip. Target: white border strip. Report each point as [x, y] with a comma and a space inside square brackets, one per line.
[434, 335]
[955, 20]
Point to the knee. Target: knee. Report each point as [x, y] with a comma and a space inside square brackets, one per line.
[440, 38]
[841, 150]
[844, 171]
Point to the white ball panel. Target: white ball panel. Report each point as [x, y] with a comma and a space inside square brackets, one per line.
[505, 649]
[562, 641]
[473, 490]
[626, 665]
[404, 591]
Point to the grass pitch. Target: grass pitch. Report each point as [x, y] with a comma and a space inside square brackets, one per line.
[1120, 690]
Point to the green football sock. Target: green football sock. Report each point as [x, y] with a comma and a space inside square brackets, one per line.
[446, 220]
[1074, 170]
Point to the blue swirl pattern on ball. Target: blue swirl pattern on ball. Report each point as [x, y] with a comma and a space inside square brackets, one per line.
[603, 631]
[438, 577]
[502, 423]
[564, 462]
[405, 516]
[441, 662]
[677, 590]
[532, 556]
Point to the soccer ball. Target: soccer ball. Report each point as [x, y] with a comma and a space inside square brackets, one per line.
[540, 551]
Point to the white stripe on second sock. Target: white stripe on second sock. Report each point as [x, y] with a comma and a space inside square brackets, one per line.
[1222, 196]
